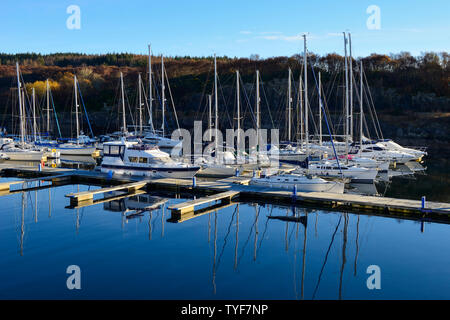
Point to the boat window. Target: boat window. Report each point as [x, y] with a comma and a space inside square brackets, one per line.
[142, 160]
[366, 150]
[106, 150]
[114, 150]
[133, 159]
[377, 149]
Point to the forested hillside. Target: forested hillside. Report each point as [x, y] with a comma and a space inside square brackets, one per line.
[401, 85]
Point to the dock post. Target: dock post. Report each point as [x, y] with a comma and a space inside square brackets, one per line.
[194, 182]
[294, 193]
[236, 172]
[423, 202]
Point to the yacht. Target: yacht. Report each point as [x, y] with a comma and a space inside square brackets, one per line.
[330, 169]
[133, 158]
[393, 146]
[14, 151]
[377, 151]
[304, 183]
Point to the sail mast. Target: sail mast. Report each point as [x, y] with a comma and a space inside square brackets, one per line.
[361, 110]
[305, 62]
[140, 103]
[289, 105]
[320, 110]
[76, 106]
[33, 95]
[238, 109]
[124, 120]
[351, 85]
[48, 107]
[300, 90]
[346, 99]
[216, 104]
[209, 116]
[22, 141]
[163, 89]
[150, 93]
[258, 101]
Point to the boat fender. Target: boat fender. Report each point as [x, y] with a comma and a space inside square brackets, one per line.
[110, 174]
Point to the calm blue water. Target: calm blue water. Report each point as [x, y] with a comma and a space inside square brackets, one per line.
[234, 253]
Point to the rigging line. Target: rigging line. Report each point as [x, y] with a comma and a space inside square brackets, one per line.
[267, 102]
[84, 108]
[171, 99]
[371, 104]
[56, 115]
[225, 102]
[326, 257]
[328, 127]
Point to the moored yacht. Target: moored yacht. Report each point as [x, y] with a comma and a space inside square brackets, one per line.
[133, 158]
[332, 170]
[304, 183]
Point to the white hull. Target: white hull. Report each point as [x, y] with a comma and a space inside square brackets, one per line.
[76, 151]
[156, 173]
[328, 186]
[24, 155]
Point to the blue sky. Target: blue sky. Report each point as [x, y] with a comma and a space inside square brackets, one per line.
[232, 28]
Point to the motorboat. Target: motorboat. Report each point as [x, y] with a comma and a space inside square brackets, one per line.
[133, 158]
[303, 183]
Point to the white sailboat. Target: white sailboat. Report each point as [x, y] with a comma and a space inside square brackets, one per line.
[155, 137]
[20, 151]
[78, 146]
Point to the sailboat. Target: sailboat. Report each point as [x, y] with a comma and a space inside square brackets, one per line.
[303, 183]
[153, 136]
[82, 144]
[21, 150]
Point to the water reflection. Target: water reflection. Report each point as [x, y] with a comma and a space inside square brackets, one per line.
[240, 251]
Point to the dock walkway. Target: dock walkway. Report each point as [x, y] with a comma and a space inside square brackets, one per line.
[240, 189]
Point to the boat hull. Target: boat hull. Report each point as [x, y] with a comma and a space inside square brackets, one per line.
[153, 172]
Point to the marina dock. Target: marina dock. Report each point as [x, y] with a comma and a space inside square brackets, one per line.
[226, 190]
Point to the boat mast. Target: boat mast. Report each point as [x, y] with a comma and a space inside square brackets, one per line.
[76, 106]
[305, 61]
[48, 107]
[302, 125]
[320, 110]
[140, 103]
[361, 109]
[33, 95]
[22, 141]
[163, 89]
[124, 120]
[258, 120]
[238, 109]
[216, 104]
[289, 105]
[209, 116]
[150, 93]
[346, 99]
[351, 85]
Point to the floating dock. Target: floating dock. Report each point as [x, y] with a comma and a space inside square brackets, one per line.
[238, 188]
[189, 206]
